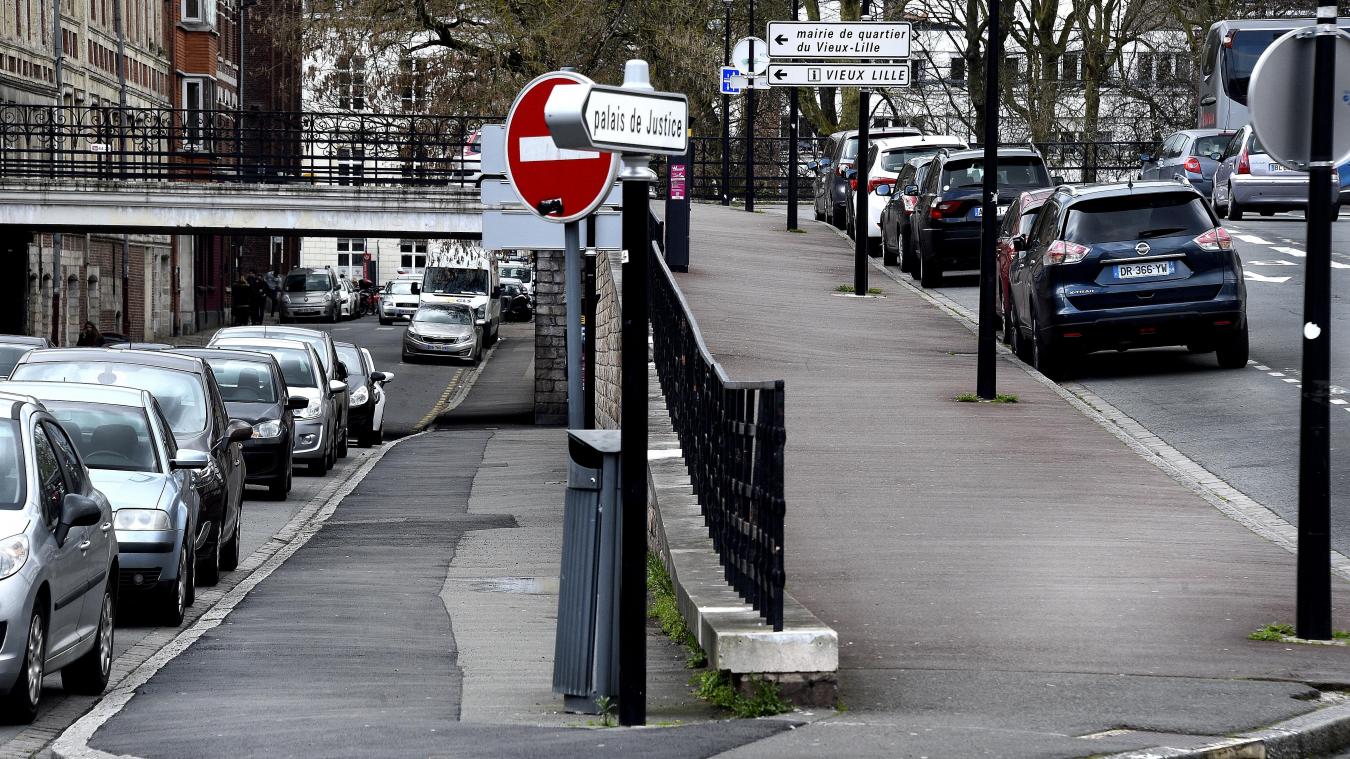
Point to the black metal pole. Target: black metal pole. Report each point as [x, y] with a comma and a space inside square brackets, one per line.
[633, 438]
[590, 308]
[726, 113]
[985, 371]
[750, 119]
[860, 195]
[792, 149]
[1314, 463]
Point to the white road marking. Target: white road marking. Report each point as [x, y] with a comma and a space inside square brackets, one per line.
[1271, 263]
[1339, 265]
[1277, 374]
[1288, 251]
[1263, 368]
[1253, 239]
[1291, 380]
[1254, 277]
[1339, 401]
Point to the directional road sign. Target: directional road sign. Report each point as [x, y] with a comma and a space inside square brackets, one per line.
[740, 56]
[559, 184]
[838, 75]
[838, 39]
[732, 81]
[618, 119]
[1281, 96]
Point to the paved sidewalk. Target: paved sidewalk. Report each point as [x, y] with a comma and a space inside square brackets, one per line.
[1004, 578]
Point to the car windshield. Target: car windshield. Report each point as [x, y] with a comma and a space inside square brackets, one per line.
[243, 381]
[1212, 145]
[446, 281]
[516, 272]
[296, 368]
[402, 288]
[10, 355]
[351, 358]
[896, 158]
[11, 466]
[108, 437]
[1137, 217]
[299, 283]
[1013, 172]
[443, 315]
[181, 395]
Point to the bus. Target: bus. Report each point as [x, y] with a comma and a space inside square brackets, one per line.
[475, 283]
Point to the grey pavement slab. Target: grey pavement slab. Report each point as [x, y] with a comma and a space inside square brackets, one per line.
[973, 539]
[504, 393]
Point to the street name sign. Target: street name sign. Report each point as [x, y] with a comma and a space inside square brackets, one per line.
[838, 39]
[838, 75]
[618, 119]
[740, 56]
[732, 80]
[557, 183]
[1281, 96]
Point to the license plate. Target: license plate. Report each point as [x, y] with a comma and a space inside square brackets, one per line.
[1150, 269]
[1276, 168]
[979, 211]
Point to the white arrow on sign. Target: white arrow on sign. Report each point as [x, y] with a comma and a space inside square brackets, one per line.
[618, 119]
[838, 39]
[838, 75]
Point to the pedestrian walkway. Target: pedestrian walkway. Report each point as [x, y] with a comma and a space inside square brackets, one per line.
[1006, 579]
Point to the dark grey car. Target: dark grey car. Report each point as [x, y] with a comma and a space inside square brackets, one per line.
[1191, 154]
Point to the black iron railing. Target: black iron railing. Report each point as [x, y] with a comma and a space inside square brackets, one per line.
[105, 142]
[732, 434]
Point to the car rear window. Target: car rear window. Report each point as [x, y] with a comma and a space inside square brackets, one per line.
[403, 288]
[1137, 217]
[299, 283]
[896, 158]
[181, 395]
[1013, 172]
[1212, 145]
[243, 381]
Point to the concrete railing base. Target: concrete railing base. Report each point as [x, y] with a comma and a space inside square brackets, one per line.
[802, 658]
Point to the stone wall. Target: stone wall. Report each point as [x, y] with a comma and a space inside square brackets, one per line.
[550, 339]
[609, 344]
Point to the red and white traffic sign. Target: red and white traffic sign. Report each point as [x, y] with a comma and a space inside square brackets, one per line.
[540, 171]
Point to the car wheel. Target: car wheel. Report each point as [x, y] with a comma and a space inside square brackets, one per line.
[1020, 345]
[333, 315]
[873, 247]
[173, 600]
[279, 488]
[838, 219]
[229, 552]
[906, 252]
[89, 673]
[1233, 349]
[1234, 211]
[378, 437]
[889, 256]
[21, 705]
[1336, 212]
[1044, 357]
[192, 577]
[208, 568]
[930, 273]
[342, 446]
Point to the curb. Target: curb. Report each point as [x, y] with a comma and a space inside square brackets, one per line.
[1319, 733]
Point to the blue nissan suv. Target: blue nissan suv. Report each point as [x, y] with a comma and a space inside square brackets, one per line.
[1118, 266]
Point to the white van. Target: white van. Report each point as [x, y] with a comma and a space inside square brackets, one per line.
[476, 283]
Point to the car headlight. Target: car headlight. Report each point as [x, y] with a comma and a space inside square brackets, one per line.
[286, 299]
[359, 396]
[268, 428]
[13, 554]
[481, 311]
[328, 297]
[142, 519]
[310, 410]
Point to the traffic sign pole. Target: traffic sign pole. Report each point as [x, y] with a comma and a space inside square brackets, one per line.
[726, 113]
[750, 123]
[792, 150]
[985, 371]
[1313, 615]
[860, 190]
[576, 409]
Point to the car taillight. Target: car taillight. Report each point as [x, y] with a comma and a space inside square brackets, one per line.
[1193, 165]
[875, 182]
[910, 202]
[1244, 166]
[1063, 252]
[947, 208]
[853, 184]
[1215, 240]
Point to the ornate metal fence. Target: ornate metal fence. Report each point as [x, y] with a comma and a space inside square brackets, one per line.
[105, 142]
[732, 434]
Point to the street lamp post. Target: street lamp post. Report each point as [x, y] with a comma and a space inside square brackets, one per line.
[726, 108]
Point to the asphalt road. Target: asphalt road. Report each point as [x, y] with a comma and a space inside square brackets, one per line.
[1243, 425]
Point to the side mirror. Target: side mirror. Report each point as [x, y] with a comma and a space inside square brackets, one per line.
[238, 431]
[1057, 179]
[190, 459]
[850, 174]
[813, 165]
[337, 386]
[388, 377]
[884, 190]
[377, 377]
[296, 402]
[912, 190]
[76, 511]
[341, 371]
[824, 163]
[1019, 243]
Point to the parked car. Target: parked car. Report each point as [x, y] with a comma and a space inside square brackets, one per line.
[311, 293]
[444, 330]
[349, 303]
[524, 273]
[255, 391]
[132, 458]
[365, 394]
[897, 228]
[1119, 266]
[947, 215]
[1191, 154]
[317, 424]
[322, 343]
[1248, 179]
[886, 157]
[1016, 222]
[400, 300]
[831, 182]
[516, 305]
[14, 347]
[58, 563]
[190, 400]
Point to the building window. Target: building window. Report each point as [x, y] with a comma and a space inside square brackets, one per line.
[915, 70]
[199, 12]
[958, 69]
[351, 165]
[1072, 71]
[414, 88]
[196, 101]
[351, 83]
[412, 254]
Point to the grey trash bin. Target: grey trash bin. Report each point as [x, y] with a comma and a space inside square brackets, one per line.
[585, 653]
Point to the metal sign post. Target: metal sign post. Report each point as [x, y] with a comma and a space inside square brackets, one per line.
[986, 380]
[637, 122]
[1301, 117]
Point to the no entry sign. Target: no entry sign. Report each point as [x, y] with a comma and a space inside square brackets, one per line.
[556, 183]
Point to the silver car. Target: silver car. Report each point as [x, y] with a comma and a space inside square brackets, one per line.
[444, 330]
[400, 300]
[15, 347]
[316, 425]
[127, 445]
[58, 563]
[1248, 179]
[1191, 154]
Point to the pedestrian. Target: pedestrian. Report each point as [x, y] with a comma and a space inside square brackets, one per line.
[90, 337]
[241, 297]
[259, 296]
[273, 281]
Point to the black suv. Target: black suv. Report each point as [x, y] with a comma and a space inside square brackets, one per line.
[1119, 266]
[946, 219]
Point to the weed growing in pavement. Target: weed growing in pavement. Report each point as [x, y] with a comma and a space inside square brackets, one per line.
[664, 609]
[605, 706]
[715, 687]
[998, 398]
[1278, 631]
[850, 290]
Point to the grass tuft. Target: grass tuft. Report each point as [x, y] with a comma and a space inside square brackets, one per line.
[715, 687]
[1275, 631]
[851, 290]
[998, 398]
[664, 609]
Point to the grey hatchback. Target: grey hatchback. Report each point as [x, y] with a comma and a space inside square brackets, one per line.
[1249, 179]
[1191, 154]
